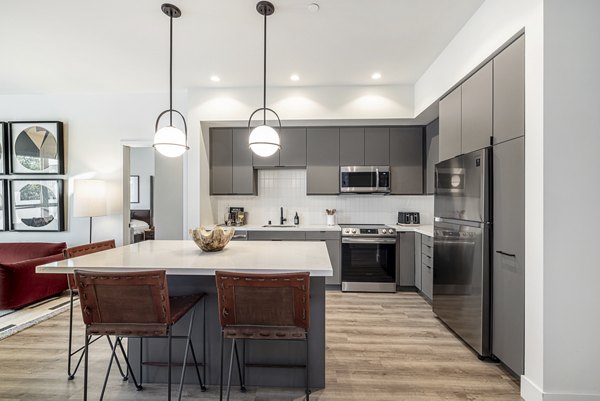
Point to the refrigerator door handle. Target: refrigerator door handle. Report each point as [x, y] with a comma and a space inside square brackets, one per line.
[457, 222]
[512, 255]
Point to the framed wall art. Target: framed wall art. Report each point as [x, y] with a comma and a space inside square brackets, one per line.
[3, 206]
[134, 189]
[37, 205]
[3, 148]
[36, 147]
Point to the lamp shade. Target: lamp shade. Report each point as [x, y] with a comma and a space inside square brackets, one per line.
[89, 198]
[264, 141]
[170, 141]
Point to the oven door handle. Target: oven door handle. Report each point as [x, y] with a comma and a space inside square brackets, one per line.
[376, 179]
[368, 240]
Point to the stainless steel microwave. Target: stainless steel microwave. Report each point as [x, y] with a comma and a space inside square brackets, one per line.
[365, 179]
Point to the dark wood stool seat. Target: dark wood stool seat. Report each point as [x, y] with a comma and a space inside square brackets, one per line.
[69, 253]
[135, 304]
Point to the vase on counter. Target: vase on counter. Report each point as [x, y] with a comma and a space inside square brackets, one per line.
[331, 219]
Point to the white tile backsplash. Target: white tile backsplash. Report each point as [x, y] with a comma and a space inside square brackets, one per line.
[287, 188]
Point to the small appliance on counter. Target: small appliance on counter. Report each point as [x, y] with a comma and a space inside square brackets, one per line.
[409, 218]
[236, 217]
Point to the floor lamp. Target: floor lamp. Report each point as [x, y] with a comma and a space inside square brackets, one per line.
[89, 200]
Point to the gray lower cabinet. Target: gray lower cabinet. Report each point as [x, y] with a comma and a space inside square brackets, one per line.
[244, 180]
[427, 266]
[276, 235]
[334, 247]
[221, 161]
[405, 259]
[352, 146]
[432, 154]
[451, 124]
[322, 161]
[508, 263]
[406, 160]
[377, 146]
[509, 92]
[418, 261]
[477, 110]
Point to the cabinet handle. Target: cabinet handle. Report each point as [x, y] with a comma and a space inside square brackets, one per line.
[507, 254]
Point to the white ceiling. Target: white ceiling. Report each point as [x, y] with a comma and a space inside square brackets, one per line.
[109, 45]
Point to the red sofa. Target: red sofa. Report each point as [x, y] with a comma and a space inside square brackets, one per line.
[20, 285]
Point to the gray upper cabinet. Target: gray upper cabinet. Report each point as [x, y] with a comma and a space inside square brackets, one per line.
[509, 92]
[221, 163]
[406, 160]
[244, 176]
[508, 278]
[352, 146]
[293, 147]
[377, 146]
[432, 154]
[477, 110]
[322, 161]
[450, 125]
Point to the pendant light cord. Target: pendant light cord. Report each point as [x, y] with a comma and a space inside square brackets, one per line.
[171, 70]
[265, 71]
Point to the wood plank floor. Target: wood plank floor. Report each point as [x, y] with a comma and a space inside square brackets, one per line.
[380, 347]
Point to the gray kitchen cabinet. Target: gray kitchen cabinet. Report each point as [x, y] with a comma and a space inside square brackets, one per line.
[221, 163]
[377, 146]
[418, 261]
[508, 263]
[405, 259]
[427, 266]
[352, 146]
[293, 147]
[243, 174]
[432, 154]
[509, 92]
[477, 110]
[406, 160]
[276, 235]
[322, 161]
[451, 124]
[334, 247]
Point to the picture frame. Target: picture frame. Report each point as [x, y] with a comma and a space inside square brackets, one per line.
[37, 204]
[36, 147]
[3, 148]
[3, 206]
[134, 189]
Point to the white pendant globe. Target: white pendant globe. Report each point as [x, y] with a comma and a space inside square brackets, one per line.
[170, 141]
[264, 141]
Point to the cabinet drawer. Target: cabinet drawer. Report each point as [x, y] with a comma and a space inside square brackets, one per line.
[427, 250]
[276, 235]
[322, 235]
[427, 240]
[427, 281]
[427, 260]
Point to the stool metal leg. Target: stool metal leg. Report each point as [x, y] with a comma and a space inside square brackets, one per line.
[137, 386]
[237, 359]
[185, 354]
[112, 357]
[123, 375]
[203, 341]
[230, 367]
[202, 386]
[169, 362]
[221, 373]
[307, 390]
[141, 359]
[85, 369]
[70, 374]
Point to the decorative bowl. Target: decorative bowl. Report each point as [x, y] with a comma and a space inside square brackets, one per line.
[214, 240]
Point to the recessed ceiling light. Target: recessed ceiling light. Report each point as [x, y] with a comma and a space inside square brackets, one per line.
[215, 78]
[313, 8]
[376, 75]
[295, 77]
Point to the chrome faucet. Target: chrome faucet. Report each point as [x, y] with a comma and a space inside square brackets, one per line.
[282, 219]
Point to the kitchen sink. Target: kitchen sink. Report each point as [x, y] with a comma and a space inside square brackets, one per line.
[280, 226]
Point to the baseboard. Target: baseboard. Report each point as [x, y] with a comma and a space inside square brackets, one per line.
[531, 392]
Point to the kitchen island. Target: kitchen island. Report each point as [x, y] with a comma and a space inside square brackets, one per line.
[190, 270]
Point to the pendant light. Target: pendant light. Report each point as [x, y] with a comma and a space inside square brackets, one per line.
[264, 140]
[169, 140]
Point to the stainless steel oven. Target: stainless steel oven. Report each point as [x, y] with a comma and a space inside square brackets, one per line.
[364, 179]
[368, 258]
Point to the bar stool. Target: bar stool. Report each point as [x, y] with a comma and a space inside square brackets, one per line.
[262, 307]
[72, 253]
[134, 304]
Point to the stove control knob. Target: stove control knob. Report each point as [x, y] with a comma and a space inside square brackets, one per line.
[384, 231]
[354, 231]
[346, 231]
[391, 231]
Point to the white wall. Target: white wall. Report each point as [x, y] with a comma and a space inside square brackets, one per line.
[287, 189]
[301, 105]
[142, 165]
[572, 183]
[95, 125]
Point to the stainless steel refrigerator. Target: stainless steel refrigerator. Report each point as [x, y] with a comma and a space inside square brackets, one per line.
[461, 261]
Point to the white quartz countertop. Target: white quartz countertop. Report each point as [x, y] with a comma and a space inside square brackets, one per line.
[300, 227]
[185, 258]
[425, 229]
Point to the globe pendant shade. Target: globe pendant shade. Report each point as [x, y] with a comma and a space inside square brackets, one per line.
[264, 141]
[170, 141]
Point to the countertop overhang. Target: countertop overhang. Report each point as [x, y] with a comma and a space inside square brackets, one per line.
[185, 258]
